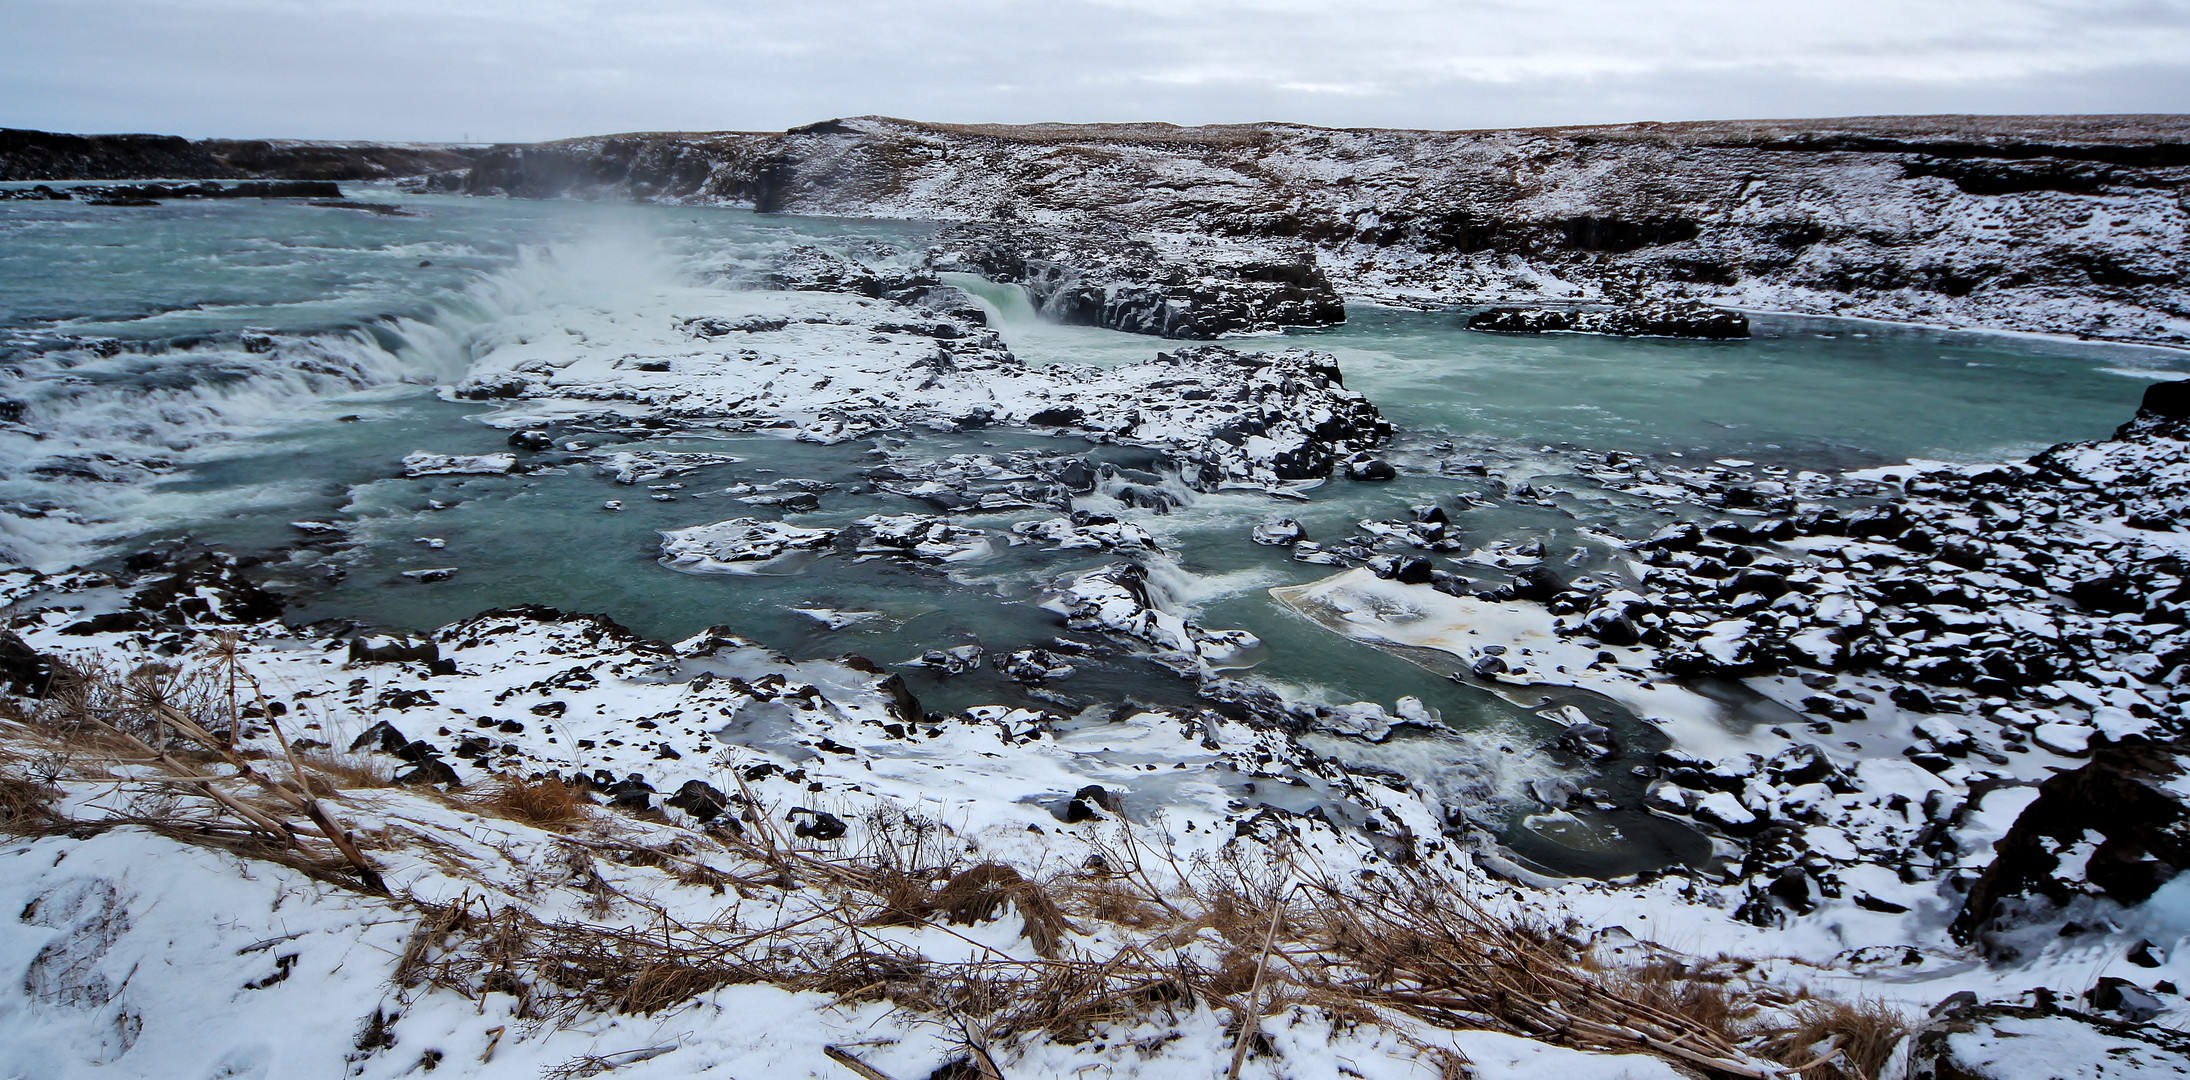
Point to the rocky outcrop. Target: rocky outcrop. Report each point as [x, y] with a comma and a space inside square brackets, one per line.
[811, 269]
[1656, 320]
[1955, 583]
[150, 194]
[2058, 224]
[723, 167]
[2001, 616]
[2164, 412]
[24, 670]
[153, 194]
[2055, 224]
[45, 155]
[2108, 828]
[1122, 283]
[1118, 599]
[1968, 1041]
[836, 367]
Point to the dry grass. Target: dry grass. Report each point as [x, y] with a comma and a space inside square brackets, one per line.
[1408, 948]
[545, 802]
[1423, 949]
[347, 772]
[26, 806]
[976, 894]
[173, 730]
[1104, 900]
[1864, 1032]
[1708, 999]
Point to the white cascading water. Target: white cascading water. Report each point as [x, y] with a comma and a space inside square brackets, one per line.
[103, 428]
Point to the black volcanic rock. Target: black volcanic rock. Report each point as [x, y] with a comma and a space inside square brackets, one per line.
[1660, 320]
[1119, 283]
[806, 268]
[2164, 411]
[150, 194]
[25, 670]
[2119, 804]
[45, 155]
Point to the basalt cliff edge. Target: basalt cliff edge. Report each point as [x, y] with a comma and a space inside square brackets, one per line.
[2074, 225]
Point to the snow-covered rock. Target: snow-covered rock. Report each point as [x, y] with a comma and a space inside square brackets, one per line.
[422, 463]
[1658, 320]
[2019, 1042]
[1119, 599]
[1099, 279]
[922, 536]
[744, 546]
[1090, 532]
[839, 368]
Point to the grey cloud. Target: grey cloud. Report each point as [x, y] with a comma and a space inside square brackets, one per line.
[490, 69]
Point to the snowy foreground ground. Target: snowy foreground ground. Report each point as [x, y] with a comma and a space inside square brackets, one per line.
[565, 850]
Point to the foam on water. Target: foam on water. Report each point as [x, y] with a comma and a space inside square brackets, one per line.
[105, 411]
[1184, 592]
[1042, 341]
[143, 343]
[98, 429]
[1488, 773]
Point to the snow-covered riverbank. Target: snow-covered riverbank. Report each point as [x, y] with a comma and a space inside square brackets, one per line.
[1850, 863]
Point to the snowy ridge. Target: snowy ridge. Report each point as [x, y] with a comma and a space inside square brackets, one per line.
[2058, 225]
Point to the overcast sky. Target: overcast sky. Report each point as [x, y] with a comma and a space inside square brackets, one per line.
[539, 69]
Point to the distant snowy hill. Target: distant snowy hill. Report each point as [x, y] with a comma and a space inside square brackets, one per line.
[2073, 225]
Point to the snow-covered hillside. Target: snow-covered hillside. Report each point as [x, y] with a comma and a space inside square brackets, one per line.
[2060, 225]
